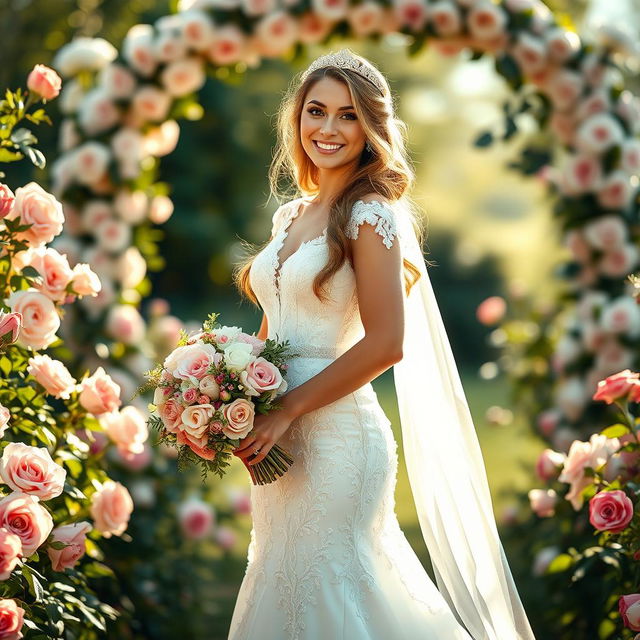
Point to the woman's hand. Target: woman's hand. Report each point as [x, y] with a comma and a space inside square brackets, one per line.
[267, 430]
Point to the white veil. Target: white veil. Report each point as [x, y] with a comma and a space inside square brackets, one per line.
[446, 470]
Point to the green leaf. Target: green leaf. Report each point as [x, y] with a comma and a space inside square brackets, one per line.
[36, 589]
[560, 563]
[5, 365]
[31, 272]
[615, 430]
[97, 570]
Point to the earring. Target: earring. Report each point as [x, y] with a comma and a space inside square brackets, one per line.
[368, 147]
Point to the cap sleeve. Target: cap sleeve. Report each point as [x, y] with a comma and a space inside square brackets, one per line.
[378, 214]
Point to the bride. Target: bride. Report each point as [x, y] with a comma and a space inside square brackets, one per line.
[343, 279]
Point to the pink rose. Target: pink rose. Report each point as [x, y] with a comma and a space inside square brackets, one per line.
[190, 395]
[190, 362]
[486, 20]
[11, 620]
[10, 325]
[23, 515]
[54, 269]
[260, 376]
[258, 345]
[10, 551]
[5, 416]
[124, 323]
[127, 428]
[239, 415]
[629, 607]
[84, 281]
[610, 511]
[491, 310]
[31, 470]
[74, 536]
[196, 518]
[549, 464]
[203, 399]
[196, 418]
[111, 507]
[225, 537]
[99, 393]
[543, 502]
[40, 319]
[7, 198]
[34, 206]
[52, 375]
[615, 386]
[44, 81]
[171, 414]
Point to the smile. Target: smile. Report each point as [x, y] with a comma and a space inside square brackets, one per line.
[324, 147]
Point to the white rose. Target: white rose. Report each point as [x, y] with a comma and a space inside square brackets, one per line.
[630, 161]
[130, 268]
[97, 112]
[564, 88]
[113, 235]
[561, 43]
[330, 10]
[70, 97]
[151, 103]
[486, 20]
[238, 355]
[227, 46]
[169, 46]
[95, 212]
[197, 29]
[276, 33]
[131, 206]
[69, 136]
[182, 77]
[621, 315]
[365, 18]
[619, 262]
[117, 81]
[128, 144]
[90, 162]
[530, 52]
[598, 133]
[137, 49]
[571, 397]
[606, 233]
[616, 190]
[84, 53]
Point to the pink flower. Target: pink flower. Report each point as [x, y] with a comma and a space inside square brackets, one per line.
[6, 200]
[260, 376]
[10, 551]
[44, 81]
[74, 536]
[111, 508]
[610, 511]
[548, 421]
[10, 325]
[171, 414]
[5, 416]
[197, 444]
[225, 537]
[127, 428]
[54, 269]
[34, 206]
[486, 20]
[23, 515]
[549, 464]
[615, 386]
[190, 362]
[196, 418]
[31, 470]
[239, 414]
[196, 518]
[99, 393]
[227, 46]
[40, 319]
[191, 394]
[543, 502]
[84, 281]
[411, 13]
[11, 620]
[629, 607]
[52, 375]
[491, 310]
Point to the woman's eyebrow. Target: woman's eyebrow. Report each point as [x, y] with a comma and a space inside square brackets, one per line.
[324, 105]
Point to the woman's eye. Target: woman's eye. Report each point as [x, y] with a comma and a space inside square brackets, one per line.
[313, 110]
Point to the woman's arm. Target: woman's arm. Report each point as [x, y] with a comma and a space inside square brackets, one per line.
[378, 273]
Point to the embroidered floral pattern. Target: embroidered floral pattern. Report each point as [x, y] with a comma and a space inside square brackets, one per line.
[377, 214]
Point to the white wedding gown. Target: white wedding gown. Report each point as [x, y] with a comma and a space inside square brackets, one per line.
[327, 558]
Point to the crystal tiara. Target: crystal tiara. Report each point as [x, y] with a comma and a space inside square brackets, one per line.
[345, 60]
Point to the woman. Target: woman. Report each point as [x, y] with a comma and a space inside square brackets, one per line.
[343, 279]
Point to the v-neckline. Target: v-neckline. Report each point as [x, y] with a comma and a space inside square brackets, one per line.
[284, 232]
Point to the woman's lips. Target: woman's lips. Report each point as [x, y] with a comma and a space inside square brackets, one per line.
[326, 151]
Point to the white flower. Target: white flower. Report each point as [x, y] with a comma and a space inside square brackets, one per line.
[84, 53]
[530, 52]
[486, 20]
[131, 206]
[598, 133]
[227, 46]
[197, 29]
[622, 315]
[571, 397]
[238, 355]
[97, 112]
[183, 76]
[160, 209]
[137, 49]
[606, 233]
[616, 190]
[365, 18]
[69, 136]
[70, 97]
[169, 46]
[113, 235]
[619, 262]
[151, 103]
[117, 81]
[90, 162]
[330, 10]
[562, 44]
[630, 160]
[161, 140]
[95, 212]
[128, 144]
[130, 268]
[564, 88]
[276, 33]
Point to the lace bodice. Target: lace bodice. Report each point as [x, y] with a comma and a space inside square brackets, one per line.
[285, 291]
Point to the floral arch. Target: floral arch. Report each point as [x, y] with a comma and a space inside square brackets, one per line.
[118, 122]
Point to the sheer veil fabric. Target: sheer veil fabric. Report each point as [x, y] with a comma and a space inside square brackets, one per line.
[446, 469]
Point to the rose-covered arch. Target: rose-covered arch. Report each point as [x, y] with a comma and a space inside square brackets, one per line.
[118, 106]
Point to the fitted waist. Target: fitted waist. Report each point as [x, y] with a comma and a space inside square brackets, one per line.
[313, 351]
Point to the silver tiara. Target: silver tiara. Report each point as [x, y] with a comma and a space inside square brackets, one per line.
[345, 60]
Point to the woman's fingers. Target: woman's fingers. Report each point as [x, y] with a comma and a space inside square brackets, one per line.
[249, 450]
[264, 450]
[244, 447]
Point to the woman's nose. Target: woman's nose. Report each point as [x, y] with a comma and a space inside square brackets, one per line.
[328, 127]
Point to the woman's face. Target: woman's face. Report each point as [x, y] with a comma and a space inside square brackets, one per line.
[328, 118]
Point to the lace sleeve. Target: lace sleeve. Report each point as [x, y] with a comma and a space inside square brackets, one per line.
[276, 220]
[376, 213]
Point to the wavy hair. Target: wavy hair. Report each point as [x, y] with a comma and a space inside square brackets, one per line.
[385, 170]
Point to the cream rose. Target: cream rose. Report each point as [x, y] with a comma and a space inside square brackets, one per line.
[40, 320]
[210, 387]
[84, 281]
[74, 536]
[52, 375]
[99, 393]
[239, 414]
[111, 508]
[238, 355]
[127, 428]
[23, 515]
[195, 419]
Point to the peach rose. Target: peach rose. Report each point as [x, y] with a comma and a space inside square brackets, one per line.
[10, 552]
[610, 511]
[31, 470]
[171, 414]
[99, 393]
[151, 103]
[34, 206]
[161, 140]
[111, 507]
[52, 375]
[183, 77]
[629, 607]
[195, 419]
[615, 386]
[10, 325]
[196, 518]
[54, 269]
[90, 162]
[74, 536]
[259, 376]
[127, 428]
[40, 320]
[84, 281]
[210, 387]
[7, 198]
[197, 445]
[160, 209]
[11, 619]
[23, 515]
[44, 81]
[239, 415]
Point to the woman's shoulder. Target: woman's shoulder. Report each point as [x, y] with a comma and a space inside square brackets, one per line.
[376, 210]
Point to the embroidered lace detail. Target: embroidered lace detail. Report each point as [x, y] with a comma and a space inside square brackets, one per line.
[312, 351]
[377, 214]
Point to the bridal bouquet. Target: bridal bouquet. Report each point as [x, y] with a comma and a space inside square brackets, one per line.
[207, 393]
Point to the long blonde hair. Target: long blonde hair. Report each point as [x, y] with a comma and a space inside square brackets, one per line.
[385, 170]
